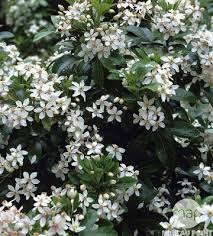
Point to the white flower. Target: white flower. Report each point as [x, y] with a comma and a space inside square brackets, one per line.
[202, 171]
[101, 206]
[171, 62]
[96, 112]
[102, 102]
[115, 151]
[42, 216]
[94, 148]
[25, 105]
[16, 156]
[60, 169]
[136, 189]
[84, 199]
[206, 215]
[209, 177]
[14, 192]
[174, 223]
[146, 104]
[58, 225]
[115, 114]
[75, 226]
[41, 200]
[126, 170]
[114, 211]
[30, 179]
[79, 89]
[45, 110]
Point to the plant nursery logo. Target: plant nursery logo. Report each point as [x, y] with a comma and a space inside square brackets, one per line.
[186, 210]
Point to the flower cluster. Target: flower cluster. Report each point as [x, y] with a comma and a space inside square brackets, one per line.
[13, 160]
[13, 220]
[132, 12]
[202, 44]
[102, 41]
[160, 203]
[149, 115]
[25, 186]
[75, 13]
[20, 12]
[171, 22]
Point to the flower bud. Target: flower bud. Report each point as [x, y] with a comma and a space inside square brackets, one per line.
[72, 193]
[116, 99]
[99, 29]
[110, 174]
[113, 181]
[81, 217]
[61, 8]
[83, 18]
[111, 11]
[106, 195]
[97, 157]
[121, 101]
[83, 187]
[73, 104]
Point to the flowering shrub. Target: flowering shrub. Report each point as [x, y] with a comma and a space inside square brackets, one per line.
[109, 122]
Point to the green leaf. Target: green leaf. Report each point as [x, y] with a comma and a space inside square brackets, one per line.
[142, 32]
[63, 64]
[140, 52]
[152, 86]
[208, 200]
[3, 55]
[98, 174]
[184, 129]
[162, 155]
[125, 230]
[73, 178]
[42, 34]
[101, 7]
[89, 220]
[35, 149]
[6, 35]
[101, 231]
[207, 187]
[46, 124]
[125, 182]
[54, 20]
[98, 72]
[196, 111]
[183, 95]
[209, 96]
[188, 173]
[176, 5]
[70, 1]
[148, 193]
